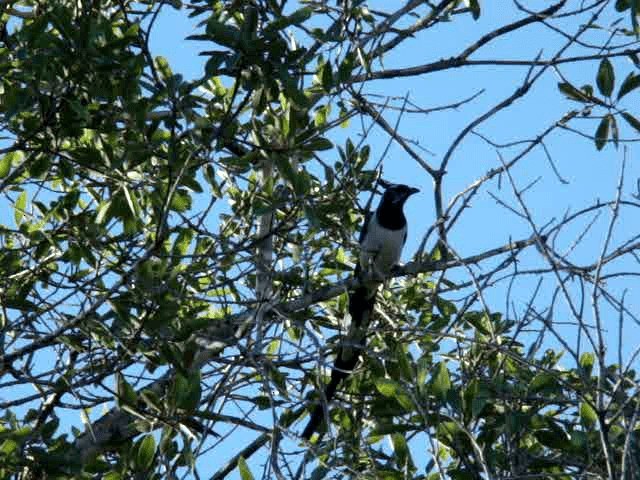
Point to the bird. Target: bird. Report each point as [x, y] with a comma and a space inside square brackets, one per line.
[384, 233]
[382, 238]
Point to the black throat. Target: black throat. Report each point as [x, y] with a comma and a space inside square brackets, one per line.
[390, 215]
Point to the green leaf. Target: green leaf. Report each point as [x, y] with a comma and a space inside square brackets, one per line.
[132, 201]
[216, 59]
[101, 212]
[602, 132]
[579, 440]
[8, 447]
[181, 201]
[480, 397]
[162, 64]
[622, 5]
[319, 473]
[630, 83]
[49, 428]
[387, 387]
[587, 360]
[423, 366]
[222, 33]
[588, 415]
[346, 67]
[605, 79]
[20, 207]
[5, 165]
[181, 245]
[296, 18]
[293, 93]
[573, 93]
[326, 77]
[480, 321]
[320, 117]
[388, 428]
[474, 6]
[146, 452]
[126, 394]
[403, 360]
[441, 381]
[542, 381]
[39, 166]
[245, 473]
[297, 178]
[392, 389]
[446, 307]
[550, 438]
[631, 120]
[401, 450]
[188, 391]
[449, 432]
[318, 143]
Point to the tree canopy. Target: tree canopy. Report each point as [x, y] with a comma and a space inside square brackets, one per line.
[176, 249]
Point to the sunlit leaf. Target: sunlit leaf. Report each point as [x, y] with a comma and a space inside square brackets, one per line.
[8, 447]
[5, 165]
[542, 381]
[441, 383]
[20, 207]
[392, 389]
[245, 473]
[400, 450]
[588, 415]
[146, 452]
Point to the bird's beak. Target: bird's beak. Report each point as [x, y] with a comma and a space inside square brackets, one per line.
[413, 190]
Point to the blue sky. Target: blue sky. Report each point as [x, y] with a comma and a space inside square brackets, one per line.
[590, 174]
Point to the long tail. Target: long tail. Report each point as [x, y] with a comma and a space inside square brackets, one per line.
[361, 303]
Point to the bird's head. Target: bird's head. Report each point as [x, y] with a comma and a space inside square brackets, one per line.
[396, 194]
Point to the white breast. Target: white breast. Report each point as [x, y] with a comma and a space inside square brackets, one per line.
[381, 247]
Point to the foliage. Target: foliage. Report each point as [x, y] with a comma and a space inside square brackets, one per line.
[175, 251]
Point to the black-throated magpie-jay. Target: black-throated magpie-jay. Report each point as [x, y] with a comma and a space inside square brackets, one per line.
[384, 233]
[382, 238]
